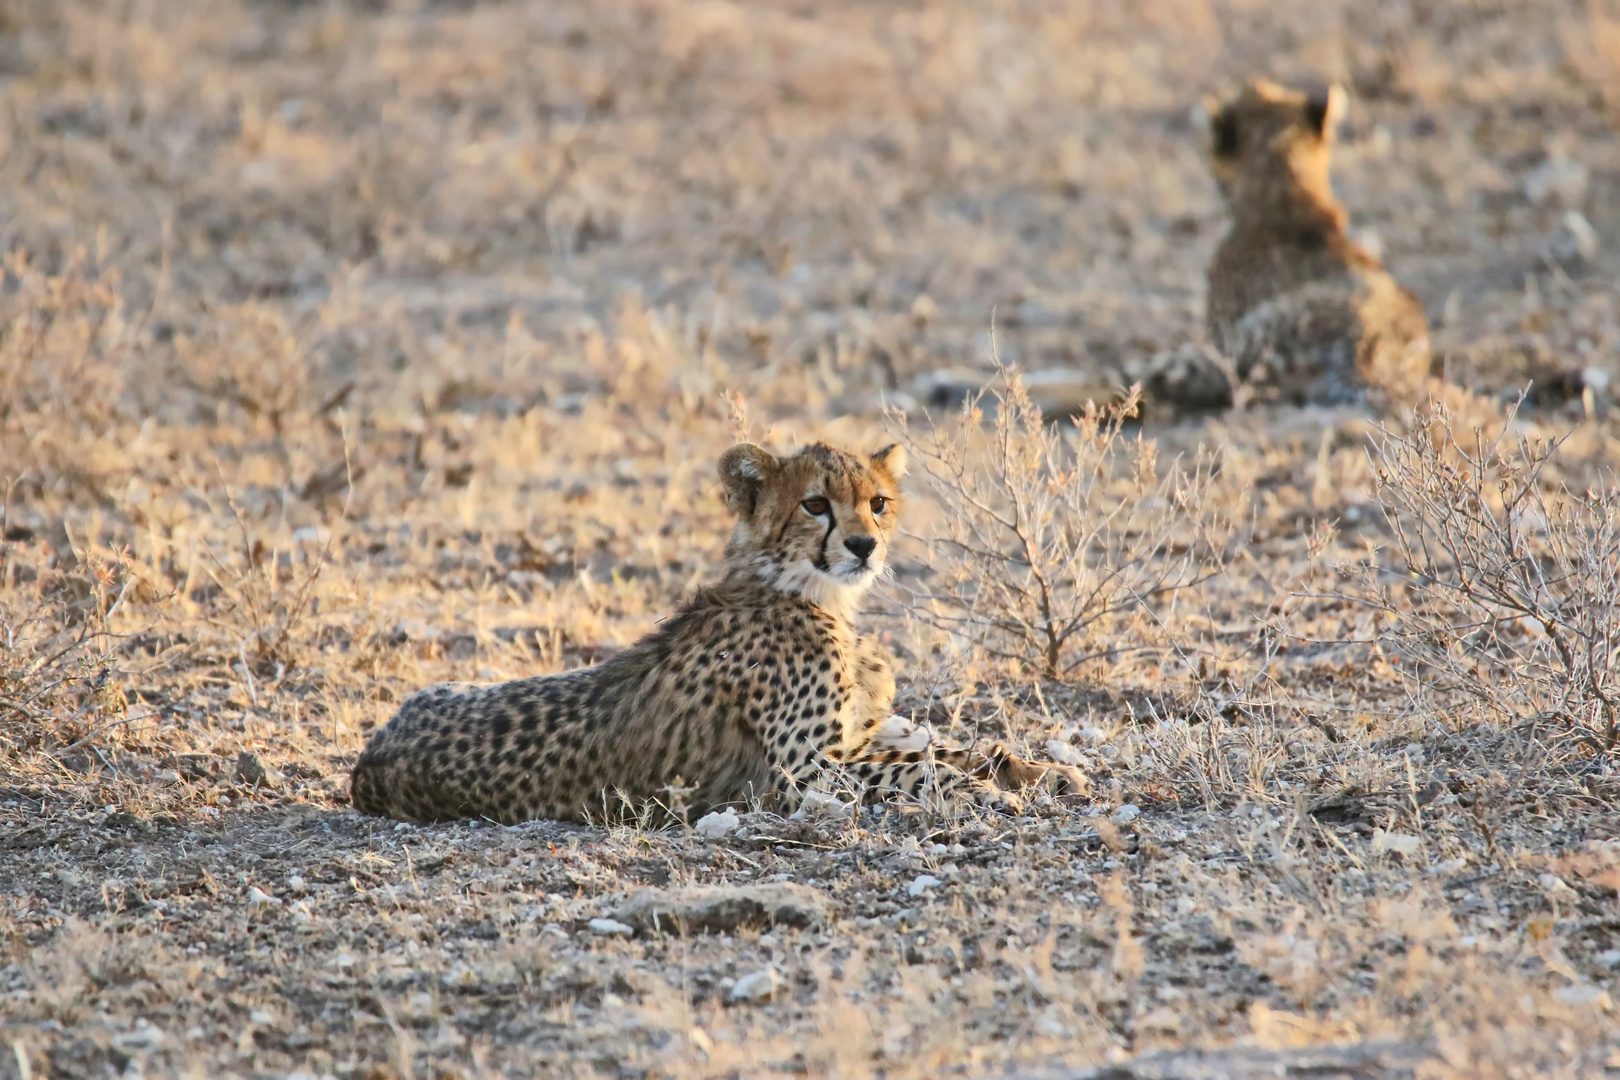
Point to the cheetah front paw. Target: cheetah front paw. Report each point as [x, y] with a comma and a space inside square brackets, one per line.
[896, 734]
[1066, 780]
[1012, 771]
[1007, 802]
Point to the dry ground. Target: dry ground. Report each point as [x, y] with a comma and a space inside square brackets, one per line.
[350, 347]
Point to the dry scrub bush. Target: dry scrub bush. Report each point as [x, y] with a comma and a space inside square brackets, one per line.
[1502, 584]
[1063, 545]
[64, 341]
[57, 656]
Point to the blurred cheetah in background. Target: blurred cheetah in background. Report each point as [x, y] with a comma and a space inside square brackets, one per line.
[1302, 312]
[758, 688]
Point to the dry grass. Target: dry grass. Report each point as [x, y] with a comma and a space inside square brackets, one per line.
[350, 347]
[1064, 546]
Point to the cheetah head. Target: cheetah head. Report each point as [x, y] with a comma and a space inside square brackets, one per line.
[815, 523]
[1270, 147]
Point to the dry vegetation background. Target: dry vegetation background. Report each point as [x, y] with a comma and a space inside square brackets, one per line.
[350, 347]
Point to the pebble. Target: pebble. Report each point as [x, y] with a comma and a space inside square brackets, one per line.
[760, 986]
[1573, 241]
[1558, 179]
[1125, 814]
[819, 804]
[145, 1036]
[1553, 883]
[1399, 843]
[253, 772]
[922, 884]
[1063, 753]
[1582, 994]
[718, 824]
[610, 928]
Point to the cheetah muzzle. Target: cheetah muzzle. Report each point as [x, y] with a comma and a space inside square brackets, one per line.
[757, 689]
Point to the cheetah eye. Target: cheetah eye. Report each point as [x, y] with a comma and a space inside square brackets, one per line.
[816, 507]
[879, 504]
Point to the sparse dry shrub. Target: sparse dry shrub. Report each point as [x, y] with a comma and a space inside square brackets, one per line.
[59, 685]
[1592, 47]
[1502, 584]
[1063, 545]
[64, 341]
[67, 977]
[250, 357]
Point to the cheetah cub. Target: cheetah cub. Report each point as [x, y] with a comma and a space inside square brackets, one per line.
[758, 688]
[1302, 312]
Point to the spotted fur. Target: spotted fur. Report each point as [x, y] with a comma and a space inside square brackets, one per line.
[757, 689]
[1301, 312]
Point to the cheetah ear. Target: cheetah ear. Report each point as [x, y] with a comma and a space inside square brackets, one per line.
[1324, 111]
[891, 461]
[743, 471]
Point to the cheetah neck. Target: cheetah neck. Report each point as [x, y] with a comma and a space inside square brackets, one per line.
[1290, 205]
[839, 599]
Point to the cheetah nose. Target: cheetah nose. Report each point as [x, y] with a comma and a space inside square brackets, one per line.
[862, 546]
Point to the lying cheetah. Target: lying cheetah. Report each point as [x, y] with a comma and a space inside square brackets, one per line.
[1301, 311]
[758, 688]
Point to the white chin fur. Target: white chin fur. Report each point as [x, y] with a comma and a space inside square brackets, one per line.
[838, 592]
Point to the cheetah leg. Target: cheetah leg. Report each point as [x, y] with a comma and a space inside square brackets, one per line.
[1006, 769]
[923, 777]
[997, 766]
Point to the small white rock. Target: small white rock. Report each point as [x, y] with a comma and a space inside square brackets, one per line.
[718, 824]
[760, 986]
[262, 1018]
[1125, 813]
[610, 928]
[821, 804]
[1573, 241]
[145, 1036]
[1557, 179]
[1063, 753]
[1399, 843]
[1582, 994]
[922, 884]
[1609, 958]
[258, 899]
[1553, 883]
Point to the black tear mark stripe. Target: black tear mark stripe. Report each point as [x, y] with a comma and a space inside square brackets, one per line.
[832, 523]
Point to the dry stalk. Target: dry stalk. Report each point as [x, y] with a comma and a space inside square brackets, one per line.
[1064, 545]
[1502, 584]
